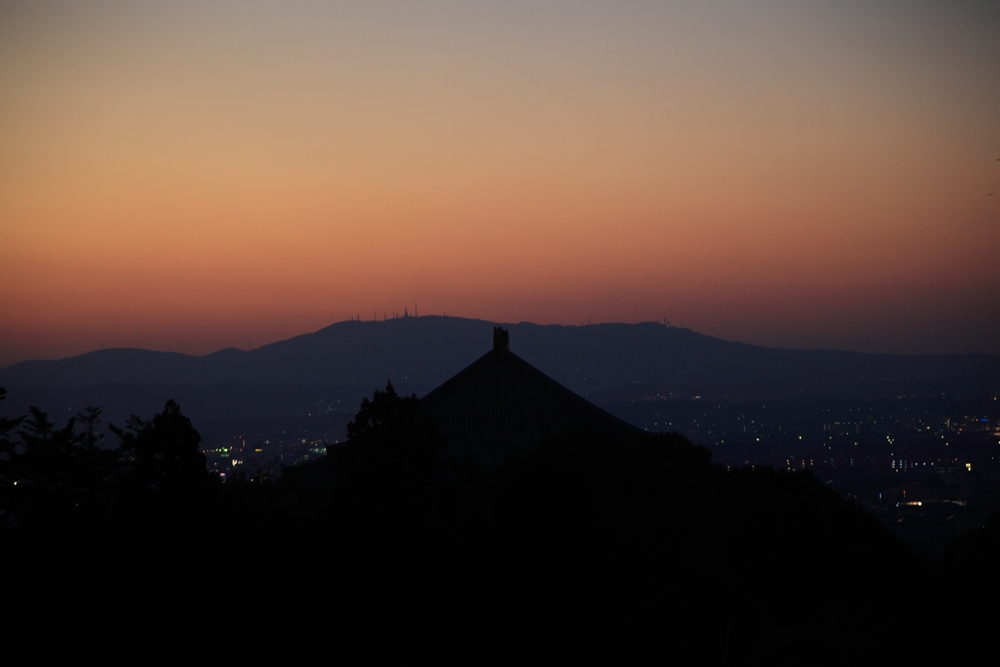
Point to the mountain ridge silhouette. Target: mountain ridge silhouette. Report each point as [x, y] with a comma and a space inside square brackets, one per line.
[423, 352]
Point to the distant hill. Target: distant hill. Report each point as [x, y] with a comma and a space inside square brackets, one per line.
[601, 361]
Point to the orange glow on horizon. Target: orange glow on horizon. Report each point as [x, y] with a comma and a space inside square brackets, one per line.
[198, 176]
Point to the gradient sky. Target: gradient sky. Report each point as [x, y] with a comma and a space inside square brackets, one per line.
[191, 176]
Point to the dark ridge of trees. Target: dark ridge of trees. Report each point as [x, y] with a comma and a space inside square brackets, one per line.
[592, 548]
[59, 479]
[55, 478]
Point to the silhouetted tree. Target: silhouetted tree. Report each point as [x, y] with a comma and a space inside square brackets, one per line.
[54, 477]
[388, 442]
[392, 467]
[6, 426]
[162, 465]
[7, 452]
[89, 419]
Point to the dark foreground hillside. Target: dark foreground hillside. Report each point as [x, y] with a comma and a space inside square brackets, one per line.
[591, 548]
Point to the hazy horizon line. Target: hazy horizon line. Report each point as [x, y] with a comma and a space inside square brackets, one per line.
[666, 323]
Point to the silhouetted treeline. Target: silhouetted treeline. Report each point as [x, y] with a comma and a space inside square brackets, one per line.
[591, 548]
[59, 479]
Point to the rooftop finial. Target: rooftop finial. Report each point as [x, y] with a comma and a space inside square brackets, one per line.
[501, 339]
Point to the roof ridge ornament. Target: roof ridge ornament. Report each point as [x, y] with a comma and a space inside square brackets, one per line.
[501, 339]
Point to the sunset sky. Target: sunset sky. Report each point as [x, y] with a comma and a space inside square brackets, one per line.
[192, 176]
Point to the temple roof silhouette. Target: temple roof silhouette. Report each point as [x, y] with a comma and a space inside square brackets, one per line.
[501, 405]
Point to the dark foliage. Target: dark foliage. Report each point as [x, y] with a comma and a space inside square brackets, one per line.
[162, 468]
[643, 547]
[55, 478]
[389, 448]
[592, 548]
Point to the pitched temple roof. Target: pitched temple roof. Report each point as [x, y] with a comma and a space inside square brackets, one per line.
[502, 405]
